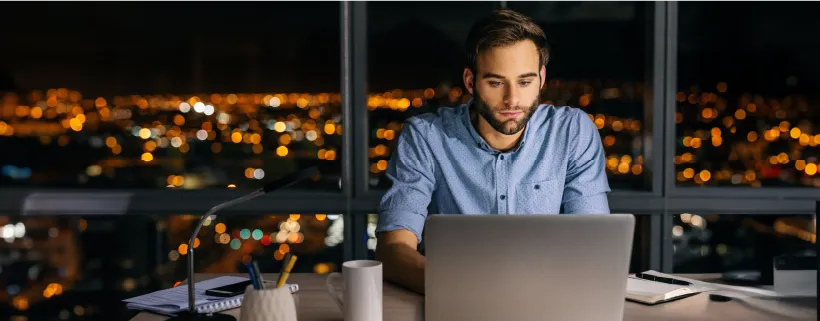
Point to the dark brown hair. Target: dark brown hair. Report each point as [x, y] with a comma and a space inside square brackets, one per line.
[504, 27]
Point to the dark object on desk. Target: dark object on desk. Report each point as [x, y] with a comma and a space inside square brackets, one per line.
[661, 279]
[229, 290]
[719, 298]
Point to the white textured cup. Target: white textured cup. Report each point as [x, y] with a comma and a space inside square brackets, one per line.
[270, 304]
[361, 285]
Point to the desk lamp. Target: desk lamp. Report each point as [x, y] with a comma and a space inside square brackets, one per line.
[191, 314]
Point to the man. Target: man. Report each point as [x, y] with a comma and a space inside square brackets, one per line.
[502, 153]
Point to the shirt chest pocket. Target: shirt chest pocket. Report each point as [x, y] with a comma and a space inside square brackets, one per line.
[539, 197]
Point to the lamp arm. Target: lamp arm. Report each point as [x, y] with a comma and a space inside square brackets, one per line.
[210, 214]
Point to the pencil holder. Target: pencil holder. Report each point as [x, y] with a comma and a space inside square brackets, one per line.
[274, 304]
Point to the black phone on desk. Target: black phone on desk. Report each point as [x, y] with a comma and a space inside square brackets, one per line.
[230, 289]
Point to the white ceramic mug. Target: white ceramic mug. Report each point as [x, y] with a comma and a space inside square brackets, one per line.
[361, 285]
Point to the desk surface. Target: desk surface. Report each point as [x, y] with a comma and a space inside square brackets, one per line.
[314, 304]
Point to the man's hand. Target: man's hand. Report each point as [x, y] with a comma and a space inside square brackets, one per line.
[402, 263]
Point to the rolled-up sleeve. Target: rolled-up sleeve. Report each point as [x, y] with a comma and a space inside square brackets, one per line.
[586, 187]
[412, 171]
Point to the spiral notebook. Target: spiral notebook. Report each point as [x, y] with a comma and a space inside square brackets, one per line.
[175, 300]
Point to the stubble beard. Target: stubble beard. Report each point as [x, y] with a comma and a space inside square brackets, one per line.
[506, 127]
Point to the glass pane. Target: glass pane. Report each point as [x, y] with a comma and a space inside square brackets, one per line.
[604, 77]
[640, 244]
[68, 268]
[405, 83]
[233, 240]
[747, 95]
[156, 95]
[736, 243]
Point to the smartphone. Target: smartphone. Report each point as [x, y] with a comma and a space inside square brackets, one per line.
[230, 289]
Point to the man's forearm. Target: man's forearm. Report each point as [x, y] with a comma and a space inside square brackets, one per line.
[403, 265]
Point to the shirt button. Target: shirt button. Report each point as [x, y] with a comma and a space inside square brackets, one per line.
[503, 197]
[502, 157]
[537, 186]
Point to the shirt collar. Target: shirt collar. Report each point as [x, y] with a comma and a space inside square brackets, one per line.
[480, 142]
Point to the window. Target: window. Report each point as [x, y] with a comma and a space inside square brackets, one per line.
[598, 54]
[598, 63]
[732, 243]
[746, 95]
[415, 66]
[85, 265]
[162, 95]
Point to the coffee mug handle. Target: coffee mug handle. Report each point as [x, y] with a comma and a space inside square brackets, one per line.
[333, 280]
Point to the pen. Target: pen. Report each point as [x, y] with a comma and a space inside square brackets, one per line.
[258, 275]
[252, 276]
[285, 261]
[660, 279]
[288, 268]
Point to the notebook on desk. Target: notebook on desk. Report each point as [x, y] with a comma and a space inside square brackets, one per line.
[175, 300]
[649, 288]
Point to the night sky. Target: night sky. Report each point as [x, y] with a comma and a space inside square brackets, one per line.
[107, 48]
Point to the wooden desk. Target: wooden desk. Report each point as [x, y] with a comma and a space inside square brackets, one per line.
[314, 304]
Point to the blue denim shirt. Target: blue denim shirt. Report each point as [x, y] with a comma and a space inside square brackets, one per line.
[440, 164]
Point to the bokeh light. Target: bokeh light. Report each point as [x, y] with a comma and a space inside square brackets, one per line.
[236, 244]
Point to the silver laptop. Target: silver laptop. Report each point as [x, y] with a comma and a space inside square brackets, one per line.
[527, 267]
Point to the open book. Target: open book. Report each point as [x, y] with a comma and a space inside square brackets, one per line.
[175, 300]
[653, 292]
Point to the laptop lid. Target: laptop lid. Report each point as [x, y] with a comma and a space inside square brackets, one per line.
[527, 267]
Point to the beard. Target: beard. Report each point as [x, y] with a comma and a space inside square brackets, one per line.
[509, 126]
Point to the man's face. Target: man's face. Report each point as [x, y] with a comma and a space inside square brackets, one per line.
[507, 85]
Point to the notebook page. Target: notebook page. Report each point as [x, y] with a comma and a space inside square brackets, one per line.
[648, 288]
[178, 296]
